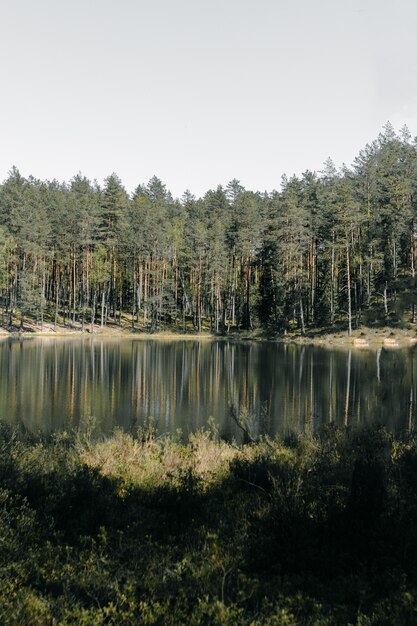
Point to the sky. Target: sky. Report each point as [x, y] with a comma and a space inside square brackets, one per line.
[198, 92]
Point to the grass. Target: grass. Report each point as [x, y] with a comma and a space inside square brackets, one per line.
[143, 530]
[146, 461]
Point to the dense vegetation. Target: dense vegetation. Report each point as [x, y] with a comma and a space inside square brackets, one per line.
[328, 247]
[137, 530]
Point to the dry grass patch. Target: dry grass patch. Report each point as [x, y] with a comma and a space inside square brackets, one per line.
[151, 462]
[210, 458]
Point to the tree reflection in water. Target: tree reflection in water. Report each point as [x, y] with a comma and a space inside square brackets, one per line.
[62, 383]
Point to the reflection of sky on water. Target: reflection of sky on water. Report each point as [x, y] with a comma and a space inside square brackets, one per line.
[58, 384]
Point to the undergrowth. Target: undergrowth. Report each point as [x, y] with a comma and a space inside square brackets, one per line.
[144, 530]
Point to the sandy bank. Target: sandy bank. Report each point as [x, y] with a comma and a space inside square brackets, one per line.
[362, 338]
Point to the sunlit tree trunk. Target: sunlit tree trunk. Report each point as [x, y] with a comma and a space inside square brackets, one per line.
[349, 297]
[332, 282]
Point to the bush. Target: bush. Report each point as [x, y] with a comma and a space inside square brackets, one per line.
[310, 530]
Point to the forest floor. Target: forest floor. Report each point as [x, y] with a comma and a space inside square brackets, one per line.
[361, 338]
[394, 335]
[111, 329]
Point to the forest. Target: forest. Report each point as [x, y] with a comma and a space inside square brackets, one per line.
[337, 247]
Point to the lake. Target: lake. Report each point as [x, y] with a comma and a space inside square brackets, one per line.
[54, 384]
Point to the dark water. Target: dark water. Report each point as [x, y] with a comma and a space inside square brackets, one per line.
[50, 384]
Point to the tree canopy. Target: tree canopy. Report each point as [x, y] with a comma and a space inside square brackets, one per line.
[335, 246]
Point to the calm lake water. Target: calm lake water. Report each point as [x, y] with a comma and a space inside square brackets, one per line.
[49, 384]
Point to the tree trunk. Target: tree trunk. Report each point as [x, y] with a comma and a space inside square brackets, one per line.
[248, 321]
[313, 278]
[74, 285]
[56, 299]
[102, 306]
[93, 311]
[348, 289]
[386, 299]
[199, 295]
[303, 330]
[332, 284]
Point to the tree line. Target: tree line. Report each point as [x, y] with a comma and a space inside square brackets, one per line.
[328, 248]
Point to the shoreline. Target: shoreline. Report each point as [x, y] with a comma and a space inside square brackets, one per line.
[362, 338]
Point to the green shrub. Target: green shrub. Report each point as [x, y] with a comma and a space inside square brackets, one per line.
[309, 530]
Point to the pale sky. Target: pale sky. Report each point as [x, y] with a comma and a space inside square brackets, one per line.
[198, 92]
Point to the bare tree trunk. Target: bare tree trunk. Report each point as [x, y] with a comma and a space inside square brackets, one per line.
[348, 289]
[93, 312]
[43, 291]
[134, 299]
[303, 330]
[56, 298]
[102, 306]
[234, 291]
[386, 299]
[332, 285]
[139, 292]
[199, 295]
[145, 295]
[313, 278]
[355, 292]
[247, 320]
[74, 284]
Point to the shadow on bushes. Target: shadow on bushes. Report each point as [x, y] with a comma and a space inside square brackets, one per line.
[309, 530]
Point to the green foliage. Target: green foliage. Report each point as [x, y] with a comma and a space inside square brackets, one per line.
[312, 530]
[334, 247]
